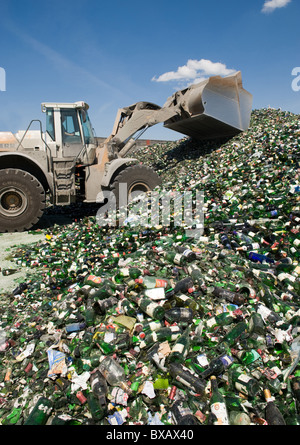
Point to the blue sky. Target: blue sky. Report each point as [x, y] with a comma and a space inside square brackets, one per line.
[113, 54]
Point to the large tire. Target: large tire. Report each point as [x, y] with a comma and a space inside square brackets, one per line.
[138, 178]
[22, 200]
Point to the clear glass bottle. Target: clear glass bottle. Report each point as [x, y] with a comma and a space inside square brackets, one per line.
[113, 373]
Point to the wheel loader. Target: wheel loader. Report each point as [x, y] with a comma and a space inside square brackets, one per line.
[67, 163]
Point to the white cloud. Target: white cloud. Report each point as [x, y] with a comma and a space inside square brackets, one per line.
[195, 70]
[270, 5]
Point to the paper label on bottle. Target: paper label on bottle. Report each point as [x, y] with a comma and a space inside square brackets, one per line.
[117, 418]
[185, 382]
[202, 360]
[219, 410]
[282, 276]
[46, 409]
[241, 384]
[183, 297]
[263, 311]
[179, 347]
[109, 337]
[151, 308]
[155, 294]
[119, 396]
[211, 322]
[94, 279]
[177, 258]
[226, 360]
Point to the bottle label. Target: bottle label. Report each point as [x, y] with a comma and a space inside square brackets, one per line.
[282, 276]
[241, 384]
[264, 311]
[183, 297]
[177, 258]
[185, 382]
[160, 283]
[226, 360]
[179, 347]
[219, 410]
[94, 279]
[211, 322]
[155, 294]
[202, 360]
[150, 309]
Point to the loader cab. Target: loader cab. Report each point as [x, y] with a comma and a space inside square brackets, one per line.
[69, 132]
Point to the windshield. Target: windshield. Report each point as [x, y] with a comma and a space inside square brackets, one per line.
[87, 128]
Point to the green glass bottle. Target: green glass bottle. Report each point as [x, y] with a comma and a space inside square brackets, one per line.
[13, 417]
[96, 409]
[245, 383]
[148, 306]
[126, 306]
[217, 404]
[217, 366]
[127, 274]
[175, 258]
[196, 275]
[184, 376]
[148, 326]
[223, 319]
[94, 281]
[247, 357]
[232, 297]
[183, 415]
[181, 347]
[150, 282]
[179, 314]
[256, 324]
[40, 412]
[183, 300]
[168, 333]
[90, 314]
[233, 335]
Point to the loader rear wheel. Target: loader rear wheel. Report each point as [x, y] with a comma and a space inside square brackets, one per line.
[22, 200]
[138, 178]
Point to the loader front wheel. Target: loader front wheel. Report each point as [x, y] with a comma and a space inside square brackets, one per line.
[136, 178]
[22, 200]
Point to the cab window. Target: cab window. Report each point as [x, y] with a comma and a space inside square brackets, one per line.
[70, 127]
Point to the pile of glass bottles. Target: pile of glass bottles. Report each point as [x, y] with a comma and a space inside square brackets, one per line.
[149, 325]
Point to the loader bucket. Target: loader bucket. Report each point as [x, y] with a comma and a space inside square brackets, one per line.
[215, 108]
